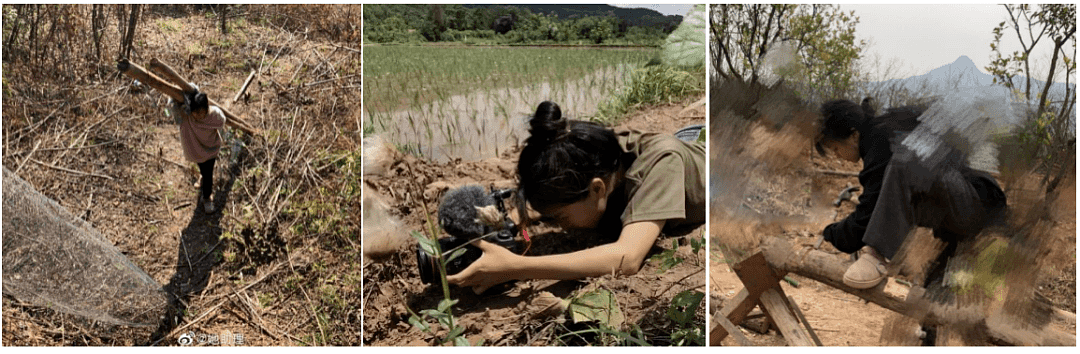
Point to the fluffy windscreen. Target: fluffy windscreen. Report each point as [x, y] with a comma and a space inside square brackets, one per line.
[686, 45]
[56, 260]
[459, 214]
[961, 125]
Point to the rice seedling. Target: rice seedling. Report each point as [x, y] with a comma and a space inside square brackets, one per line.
[471, 102]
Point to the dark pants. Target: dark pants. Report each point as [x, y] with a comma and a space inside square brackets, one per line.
[207, 182]
[955, 201]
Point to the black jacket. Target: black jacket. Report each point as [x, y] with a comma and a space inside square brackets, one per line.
[876, 141]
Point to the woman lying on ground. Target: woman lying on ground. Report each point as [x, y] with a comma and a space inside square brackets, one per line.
[584, 176]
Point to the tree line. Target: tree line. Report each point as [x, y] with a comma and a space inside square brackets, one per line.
[475, 24]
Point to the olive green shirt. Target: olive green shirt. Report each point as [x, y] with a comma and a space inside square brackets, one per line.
[666, 181]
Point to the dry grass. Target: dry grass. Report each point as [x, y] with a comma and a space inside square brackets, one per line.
[280, 261]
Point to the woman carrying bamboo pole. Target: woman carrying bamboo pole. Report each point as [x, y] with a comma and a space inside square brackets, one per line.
[199, 123]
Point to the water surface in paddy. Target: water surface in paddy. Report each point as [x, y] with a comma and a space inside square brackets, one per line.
[485, 122]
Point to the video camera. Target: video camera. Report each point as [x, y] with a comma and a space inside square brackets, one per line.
[466, 214]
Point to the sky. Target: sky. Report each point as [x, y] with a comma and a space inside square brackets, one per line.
[922, 37]
[666, 9]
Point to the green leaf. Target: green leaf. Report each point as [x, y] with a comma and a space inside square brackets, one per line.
[667, 260]
[420, 324]
[684, 306]
[428, 245]
[432, 313]
[597, 305]
[455, 333]
[445, 304]
[457, 253]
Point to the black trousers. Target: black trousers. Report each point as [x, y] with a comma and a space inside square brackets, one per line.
[955, 201]
[206, 169]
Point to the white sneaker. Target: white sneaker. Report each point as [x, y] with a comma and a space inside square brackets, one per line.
[208, 205]
[868, 271]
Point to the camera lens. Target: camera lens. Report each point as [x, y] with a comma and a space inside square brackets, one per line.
[427, 263]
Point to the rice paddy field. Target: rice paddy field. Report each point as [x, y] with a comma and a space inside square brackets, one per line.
[443, 103]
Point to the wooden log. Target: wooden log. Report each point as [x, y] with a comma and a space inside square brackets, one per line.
[138, 73]
[179, 81]
[829, 270]
[166, 72]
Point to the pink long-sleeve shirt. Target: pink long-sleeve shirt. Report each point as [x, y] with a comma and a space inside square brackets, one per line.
[200, 138]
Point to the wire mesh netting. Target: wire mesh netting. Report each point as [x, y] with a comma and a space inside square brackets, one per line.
[55, 260]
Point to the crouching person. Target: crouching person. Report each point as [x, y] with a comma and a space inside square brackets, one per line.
[957, 202]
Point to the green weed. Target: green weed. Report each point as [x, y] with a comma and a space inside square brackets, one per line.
[683, 310]
[169, 26]
[652, 85]
[443, 313]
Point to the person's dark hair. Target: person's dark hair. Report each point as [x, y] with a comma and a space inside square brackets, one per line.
[840, 119]
[562, 156]
[197, 102]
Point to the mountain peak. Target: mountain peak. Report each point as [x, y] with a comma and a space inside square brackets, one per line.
[964, 61]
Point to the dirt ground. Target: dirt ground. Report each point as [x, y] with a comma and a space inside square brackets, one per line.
[518, 315]
[791, 197]
[274, 265]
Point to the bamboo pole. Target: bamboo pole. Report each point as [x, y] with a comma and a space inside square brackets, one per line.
[175, 92]
[138, 73]
[168, 73]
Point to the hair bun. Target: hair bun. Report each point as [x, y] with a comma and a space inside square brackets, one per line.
[548, 123]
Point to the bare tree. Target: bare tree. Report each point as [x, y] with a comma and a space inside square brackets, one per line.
[1050, 128]
[224, 15]
[129, 34]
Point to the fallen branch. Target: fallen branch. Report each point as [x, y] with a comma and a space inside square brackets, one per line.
[28, 156]
[245, 87]
[77, 147]
[354, 50]
[268, 273]
[838, 173]
[58, 168]
[310, 84]
[162, 158]
[678, 281]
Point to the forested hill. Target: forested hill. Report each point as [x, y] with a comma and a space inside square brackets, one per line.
[520, 24]
[638, 17]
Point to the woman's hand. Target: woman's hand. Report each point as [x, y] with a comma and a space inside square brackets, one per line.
[492, 268]
[499, 265]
